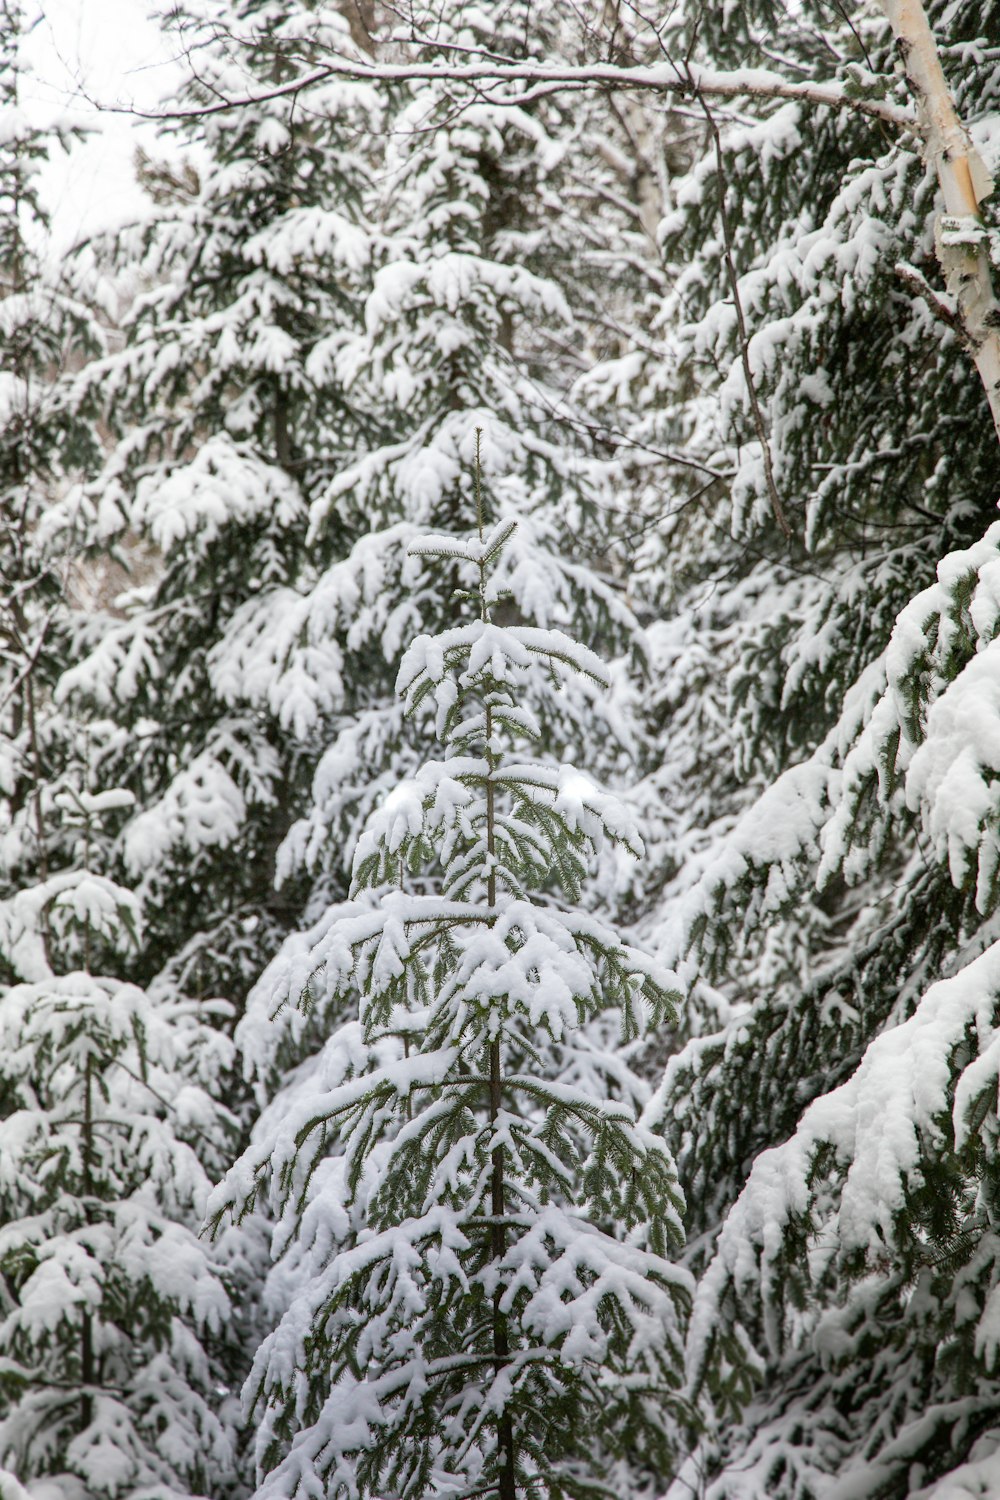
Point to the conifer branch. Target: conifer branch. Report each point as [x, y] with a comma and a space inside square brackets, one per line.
[744, 338]
[944, 312]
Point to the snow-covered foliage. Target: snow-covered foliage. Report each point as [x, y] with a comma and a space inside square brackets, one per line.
[117, 1332]
[44, 327]
[834, 909]
[733, 441]
[255, 253]
[483, 1296]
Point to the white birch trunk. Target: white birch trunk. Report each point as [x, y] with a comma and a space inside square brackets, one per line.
[959, 235]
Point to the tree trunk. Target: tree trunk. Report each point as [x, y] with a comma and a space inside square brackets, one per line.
[507, 1487]
[86, 1324]
[965, 183]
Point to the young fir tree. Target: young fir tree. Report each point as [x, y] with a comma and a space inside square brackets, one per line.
[836, 1166]
[490, 1307]
[115, 1319]
[461, 282]
[447, 342]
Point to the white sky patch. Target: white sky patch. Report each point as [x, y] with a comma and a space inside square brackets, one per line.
[86, 57]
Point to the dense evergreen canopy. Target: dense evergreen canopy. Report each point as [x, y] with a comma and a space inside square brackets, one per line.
[542, 1169]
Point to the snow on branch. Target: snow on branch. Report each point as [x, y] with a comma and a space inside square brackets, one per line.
[909, 1099]
[667, 78]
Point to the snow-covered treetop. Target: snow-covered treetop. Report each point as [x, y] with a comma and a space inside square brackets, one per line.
[473, 677]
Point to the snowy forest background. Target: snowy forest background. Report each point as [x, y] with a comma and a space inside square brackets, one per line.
[500, 761]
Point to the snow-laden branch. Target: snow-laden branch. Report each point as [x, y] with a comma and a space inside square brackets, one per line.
[743, 83]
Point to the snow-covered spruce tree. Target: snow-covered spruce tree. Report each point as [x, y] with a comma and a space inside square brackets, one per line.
[857, 1260]
[863, 1252]
[224, 428]
[449, 343]
[447, 318]
[115, 1320]
[490, 1308]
